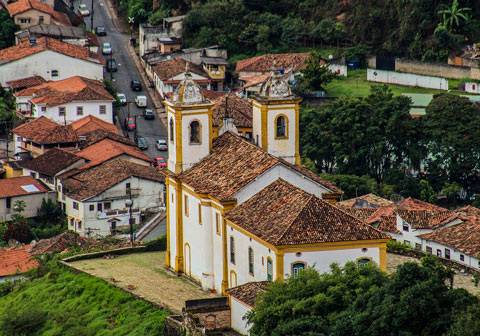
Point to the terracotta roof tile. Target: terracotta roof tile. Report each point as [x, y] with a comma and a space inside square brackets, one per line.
[91, 123]
[51, 162]
[255, 80]
[282, 214]
[424, 219]
[21, 6]
[58, 243]
[247, 293]
[289, 62]
[167, 69]
[27, 82]
[16, 261]
[45, 43]
[372, 200]
[238, 108]
[13, 186]
[44, 131]
[234, 163]
[210, 94]
[415, 204]
[86, 184]
[98, 135]
[360, 213]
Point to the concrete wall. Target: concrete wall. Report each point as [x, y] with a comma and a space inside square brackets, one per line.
[238, 311]
[89, 108]
[472, 87]
[407, 79]
[455, 255]
[339, 69]
[32, 203]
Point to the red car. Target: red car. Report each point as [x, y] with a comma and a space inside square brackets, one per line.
[160, 162]
[130, 124]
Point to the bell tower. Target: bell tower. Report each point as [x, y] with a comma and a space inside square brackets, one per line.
[189, 120]
[276, 118]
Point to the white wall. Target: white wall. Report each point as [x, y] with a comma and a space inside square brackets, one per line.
[172, 212]
[193, 153]
[472, 87]
[339, 69]
[238, 310]
[32, 203]
[172, 145]
[408, 79]
[42, 63]
[454, 254]
[282, 147]
[89, 108]
[257, 123]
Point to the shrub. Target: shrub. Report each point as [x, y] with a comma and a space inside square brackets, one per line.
[26, 321]
[397, 247]
[158, 244]
[19, 231]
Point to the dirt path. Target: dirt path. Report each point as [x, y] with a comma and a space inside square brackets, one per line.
[463, 280]
[146, 272]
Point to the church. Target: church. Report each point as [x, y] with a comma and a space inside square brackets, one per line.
[242, 210]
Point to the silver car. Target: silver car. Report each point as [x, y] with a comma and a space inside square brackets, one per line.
[161, 145]
[107, 48]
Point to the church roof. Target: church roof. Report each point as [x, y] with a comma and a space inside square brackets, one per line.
[282, 214]
[233, 163]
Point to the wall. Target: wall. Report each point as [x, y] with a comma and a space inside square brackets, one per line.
[454, 254]
[472, 87]
[407, 79]
[42, 63]
[238, 310]
[89, 108]
[341, 70]
[193, 153]
[282, 147]
[32, 203]
[34, 16]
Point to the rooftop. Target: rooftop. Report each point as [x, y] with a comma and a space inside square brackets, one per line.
[51, 162]
[98, 135]
[20, 186]
[248, 292]
[91, 123]
[44, 131]
[16, 261]
[369, 200]
[167, 69]
[27, 82]
[238, 108]
[289, 62]
[21, 6]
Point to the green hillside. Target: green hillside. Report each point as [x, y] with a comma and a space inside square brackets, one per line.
[62, 303]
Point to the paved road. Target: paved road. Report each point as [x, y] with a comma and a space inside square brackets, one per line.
[127, 71]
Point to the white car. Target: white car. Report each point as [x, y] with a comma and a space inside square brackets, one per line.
[107, 48]
[141, 101]
[122, 98]
[83, 10]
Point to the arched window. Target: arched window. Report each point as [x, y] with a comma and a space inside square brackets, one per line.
[195, 132]
[269, 269]
[232, 250]
[171, 130]
[297, 267]
[250, 260]
[281, 129]
[362, 262]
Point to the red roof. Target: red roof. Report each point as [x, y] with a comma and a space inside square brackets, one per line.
[18, 186]
[16, 261]
[288, 62]
[21, 6]
[44, 131]
[27, 82]
[91, 123]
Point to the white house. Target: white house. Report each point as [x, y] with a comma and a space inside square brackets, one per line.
[95, 199]
[66, 101]
[239, 211]
[50, 59]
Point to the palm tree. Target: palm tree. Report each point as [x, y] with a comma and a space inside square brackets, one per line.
[453, 14]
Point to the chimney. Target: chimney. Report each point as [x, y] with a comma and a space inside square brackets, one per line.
[228, 122]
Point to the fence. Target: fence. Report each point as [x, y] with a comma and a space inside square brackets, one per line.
[407, 79]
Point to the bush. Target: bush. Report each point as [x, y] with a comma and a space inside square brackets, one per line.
[19, 231]
[397, 247]
[158, 244]
[26, 321]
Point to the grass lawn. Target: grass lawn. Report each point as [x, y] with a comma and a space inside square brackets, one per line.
[146, 272]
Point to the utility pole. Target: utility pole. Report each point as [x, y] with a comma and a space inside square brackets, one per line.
[111, 68]
[91, 18]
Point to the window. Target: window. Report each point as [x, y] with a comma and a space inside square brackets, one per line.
[61, 111]
[217, 222]
[200, 213]
[41, 19]
[102, 109]
[248, 135]
[91, 207]
[195, 132]
[44, 109]
[250, 260]
[54, 73]
[127, 187]
[363, 262]
[23, 20]
[447, 253]
[406, 228]
[429, 250]
[8, 203]
[232, 250]
[99, 206]
[185, 201]
[281, 127]
[269, 269]
[79, 110]
[79, 225]
[71, 222]
[296, 268]
[75, 205]
[439, 253]
[171, 130]
[462, 257]
[107, 205]
[418, 246]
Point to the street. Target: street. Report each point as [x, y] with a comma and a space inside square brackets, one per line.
[151, 130]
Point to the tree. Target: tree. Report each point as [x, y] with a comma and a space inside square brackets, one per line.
[453, 15]
[19, 231]
[426, 192]
[7, 29]
[314, 75]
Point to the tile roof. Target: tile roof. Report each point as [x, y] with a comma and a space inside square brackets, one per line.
[233, 163]
[255, 80]
[21, 6]
[51, 162]
[361, 213]
[212, 95]
[86, 184]
[97, 135]
[238, 108]
[17, 186]
[425, 219]
[371, 199]
[45, 43]
[58, 243]
[282, 214]
[248, 292]
[67, 90]
[16, 261]
[27, 82]
[289, 62]
[44, 131]
[108, 149]
[167, 69]
[415, 204]
[91, 123]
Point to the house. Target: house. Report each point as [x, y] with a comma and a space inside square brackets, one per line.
[42, 134]
[168, 45]
[14, 262]
[236, 108]
[95, 198]
[239, 211]
[67, 100]
[50, 59]
[161, 38]
[27, 13]
[90, 123]
[23, 188]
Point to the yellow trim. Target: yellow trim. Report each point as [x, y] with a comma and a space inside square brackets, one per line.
[333, 245]
[271, 263]
[167, 252]
[189, 259]
[171, 129]
[248, 234]
[383, 257]
[264, 126]
[178, 146]
[232, 272]
[217, 223]
[297, 135]
[200, 213]
[227, 206]
[360, 258]
[185, 204]
[285, 137]
[279, 262]
[179, 256]
[297, 262]
[199, 131]
[210, 127]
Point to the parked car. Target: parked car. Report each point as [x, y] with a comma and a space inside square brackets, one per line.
[122, 98]
[111, 65]
[161, 145]
[148, 114]
[142, 143]
[141, 101]
[130, 124]
[136, 85]
[100, 31]
[107, 48]
[83, 10]
[160, 162]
